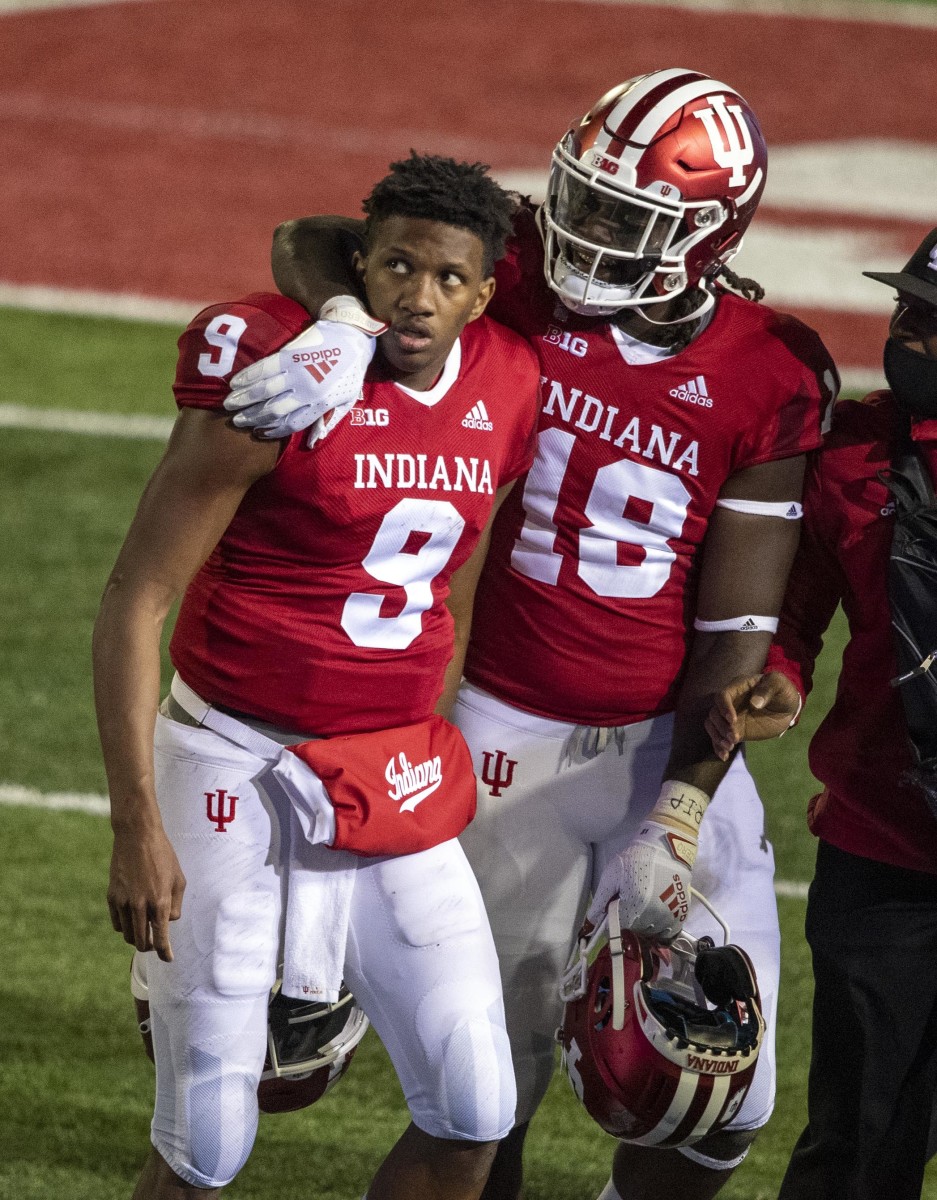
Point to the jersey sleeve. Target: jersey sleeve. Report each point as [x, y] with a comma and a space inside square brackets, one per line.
[224, 338]
[800, 383]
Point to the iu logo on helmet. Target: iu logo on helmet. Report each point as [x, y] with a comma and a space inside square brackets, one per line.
[732, 143]
[219, 808]
[498, 771]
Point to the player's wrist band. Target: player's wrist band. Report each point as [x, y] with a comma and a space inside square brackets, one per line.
[749, 623]
[350, 311]
[680, 804]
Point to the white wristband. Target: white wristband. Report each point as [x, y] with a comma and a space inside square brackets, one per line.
[680, 804]
[745, 624]
[350, 311]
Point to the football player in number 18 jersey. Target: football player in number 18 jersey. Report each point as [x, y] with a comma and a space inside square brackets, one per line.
[327, 587]
[642, 560]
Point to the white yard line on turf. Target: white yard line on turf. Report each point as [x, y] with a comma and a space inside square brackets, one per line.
[98, 424]
[98, 806]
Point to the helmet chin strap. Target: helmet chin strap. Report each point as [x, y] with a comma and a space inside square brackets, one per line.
[709, 299]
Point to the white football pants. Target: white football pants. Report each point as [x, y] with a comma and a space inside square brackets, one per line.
[555, 803]
[420, 961]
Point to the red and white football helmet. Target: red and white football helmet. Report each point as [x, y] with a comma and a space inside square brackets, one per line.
[660, 1043]
[651, 192]
[309, 1045]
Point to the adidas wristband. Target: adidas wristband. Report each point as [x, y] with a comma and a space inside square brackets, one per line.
[746, 624]
[790, 510]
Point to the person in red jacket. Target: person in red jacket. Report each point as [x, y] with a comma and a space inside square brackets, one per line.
[872, 911]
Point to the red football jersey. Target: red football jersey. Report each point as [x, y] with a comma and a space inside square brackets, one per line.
[585, 609]
[322, 609]
[860, 752]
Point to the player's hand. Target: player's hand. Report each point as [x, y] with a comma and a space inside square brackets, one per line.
[751, 709]
[652, 878]
[317, 372]
[145, 890]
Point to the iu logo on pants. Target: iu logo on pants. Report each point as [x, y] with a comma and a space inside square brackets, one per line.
[498, 770]
[219, 808]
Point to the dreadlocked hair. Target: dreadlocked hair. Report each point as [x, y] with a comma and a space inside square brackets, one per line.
[435, 188]
[749, 288]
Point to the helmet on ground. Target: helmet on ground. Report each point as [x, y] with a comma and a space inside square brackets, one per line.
[309, 1045]
[660, 1043]
[651, 192]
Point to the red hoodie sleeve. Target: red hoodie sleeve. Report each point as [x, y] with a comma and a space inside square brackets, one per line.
[814, 590]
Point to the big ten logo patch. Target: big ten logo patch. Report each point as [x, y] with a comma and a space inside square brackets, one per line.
[497, 771]
[566, 341]
[370, 416]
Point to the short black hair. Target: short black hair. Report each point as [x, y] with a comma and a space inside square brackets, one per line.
[435, 188]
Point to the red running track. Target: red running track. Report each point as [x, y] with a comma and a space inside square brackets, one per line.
[151, 148]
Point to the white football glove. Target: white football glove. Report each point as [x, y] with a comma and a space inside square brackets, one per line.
[652, 876]
[319, 371]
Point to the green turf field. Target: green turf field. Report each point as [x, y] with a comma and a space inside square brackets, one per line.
[75, 1089]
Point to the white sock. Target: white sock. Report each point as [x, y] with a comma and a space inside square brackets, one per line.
[610, 1192]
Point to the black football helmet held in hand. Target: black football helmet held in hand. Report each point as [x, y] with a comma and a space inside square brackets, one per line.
[309, 1044]
[660, 1043]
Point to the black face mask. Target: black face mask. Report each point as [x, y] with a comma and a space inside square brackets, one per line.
[912, 378]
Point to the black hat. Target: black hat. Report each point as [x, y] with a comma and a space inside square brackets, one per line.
[919, 277]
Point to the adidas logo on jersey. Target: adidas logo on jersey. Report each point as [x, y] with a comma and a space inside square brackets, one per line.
[694, 392]
[477, 417]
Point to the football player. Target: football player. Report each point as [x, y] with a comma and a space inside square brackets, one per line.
[641, 562]
[300, 779]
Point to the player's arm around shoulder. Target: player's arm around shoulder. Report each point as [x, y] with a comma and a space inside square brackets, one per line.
[185, 508]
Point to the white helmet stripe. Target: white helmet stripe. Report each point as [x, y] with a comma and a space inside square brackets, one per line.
[634, 96]
[651, 123]
[713, 1108]
[682, 1099]
[661, 112]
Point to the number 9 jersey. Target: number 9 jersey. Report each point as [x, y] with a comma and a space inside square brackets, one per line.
[322, 608]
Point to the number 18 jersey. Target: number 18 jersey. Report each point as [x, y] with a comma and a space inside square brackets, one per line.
[585, 608]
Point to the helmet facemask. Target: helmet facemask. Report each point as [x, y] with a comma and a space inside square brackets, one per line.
[610, 246]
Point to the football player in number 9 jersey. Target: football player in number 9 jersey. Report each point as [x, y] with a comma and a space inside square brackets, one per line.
[300, 782]
[642, 560]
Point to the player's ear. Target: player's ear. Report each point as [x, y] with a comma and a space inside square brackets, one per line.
[360, 262]
[485, 292]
